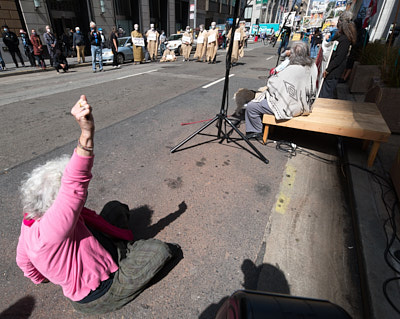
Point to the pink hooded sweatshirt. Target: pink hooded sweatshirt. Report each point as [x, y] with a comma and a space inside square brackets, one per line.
[59, 246]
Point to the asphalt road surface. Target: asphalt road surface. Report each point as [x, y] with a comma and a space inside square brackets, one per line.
[213, 199]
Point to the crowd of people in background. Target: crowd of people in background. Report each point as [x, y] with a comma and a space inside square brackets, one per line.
[150, 46]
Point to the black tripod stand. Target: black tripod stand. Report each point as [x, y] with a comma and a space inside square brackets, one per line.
[222, 117]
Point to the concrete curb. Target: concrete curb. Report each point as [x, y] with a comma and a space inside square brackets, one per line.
[368, 222]
[21, 71]
[368, 218]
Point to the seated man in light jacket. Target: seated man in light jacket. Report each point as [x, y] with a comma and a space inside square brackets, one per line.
[289, 93]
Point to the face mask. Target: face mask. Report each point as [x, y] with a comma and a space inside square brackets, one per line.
[48, 30]
[187, 30]
[5, 30]
[136, 28]
[213, 27]
[78, 31]
[34, 33]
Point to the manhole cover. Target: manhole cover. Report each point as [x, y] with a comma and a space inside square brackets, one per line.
[259, 69]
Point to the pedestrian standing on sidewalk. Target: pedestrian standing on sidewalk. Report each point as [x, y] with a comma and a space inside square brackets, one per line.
[3, 65]
[37, 49]
[163, 38]
[152, 42]
[66, 45]
[96, 263]
[10, 39]
[316, 42]
[28, 47]
[285, 37]
[104, 44]
[236, 39]
[137, 45]
[78, 42]
[212, 43]
[187, 39]
[114, 46]
[95, 46]
[201, 45]
[51, 41]
[346, 36]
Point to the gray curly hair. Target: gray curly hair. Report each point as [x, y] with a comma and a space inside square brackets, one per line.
[39, 189]
[300, 54]
[347, 26]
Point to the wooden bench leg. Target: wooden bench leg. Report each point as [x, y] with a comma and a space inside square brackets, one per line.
[372, 153]
[265, 136]
[365, 145]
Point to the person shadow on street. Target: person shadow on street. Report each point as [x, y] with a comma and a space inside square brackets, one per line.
[265, 277]
[138, 220]
[22, 309]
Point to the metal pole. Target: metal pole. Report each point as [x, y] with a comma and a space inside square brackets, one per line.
[308, 6]
[195, 15]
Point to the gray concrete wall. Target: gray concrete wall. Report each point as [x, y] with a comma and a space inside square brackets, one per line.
[104, 20]
[35, 18]
[145, 12]
[171, 17]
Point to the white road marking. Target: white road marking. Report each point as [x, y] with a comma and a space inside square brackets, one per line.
[215, 82]
[269, 58]
[130, 75]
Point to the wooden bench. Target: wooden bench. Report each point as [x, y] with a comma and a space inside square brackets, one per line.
[340, 117]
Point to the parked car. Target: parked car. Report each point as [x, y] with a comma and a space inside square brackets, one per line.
[174, 42]
[125, 52]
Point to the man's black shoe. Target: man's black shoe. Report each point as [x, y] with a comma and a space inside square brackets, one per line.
[235, 121]
[255, 135]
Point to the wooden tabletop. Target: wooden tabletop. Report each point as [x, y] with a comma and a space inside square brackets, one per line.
[340, 117]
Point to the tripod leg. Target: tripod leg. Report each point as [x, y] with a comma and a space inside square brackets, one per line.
[195, 133]
[262, 157]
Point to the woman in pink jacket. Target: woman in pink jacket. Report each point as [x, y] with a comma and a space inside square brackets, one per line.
[71, 246]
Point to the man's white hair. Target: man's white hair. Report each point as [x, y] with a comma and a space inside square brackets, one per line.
[92, 24]
[40, 187]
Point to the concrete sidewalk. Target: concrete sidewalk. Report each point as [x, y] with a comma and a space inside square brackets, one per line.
[12, 70]
[73, 63]
[327, 216]
[368, 196]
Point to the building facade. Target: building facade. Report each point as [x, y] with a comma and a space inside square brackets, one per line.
[167, 15]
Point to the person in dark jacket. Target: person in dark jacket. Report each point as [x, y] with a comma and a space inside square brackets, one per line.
[316, 42]
[37, 49]
[10, 39]
[28, 47]
[51, 41]
[285, 37]
[78, 43]
[346, 36]
[95, 46]
[60, 61]
[3, 65]
[66, 44]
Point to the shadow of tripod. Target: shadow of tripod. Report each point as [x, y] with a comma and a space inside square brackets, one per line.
[222, 118]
